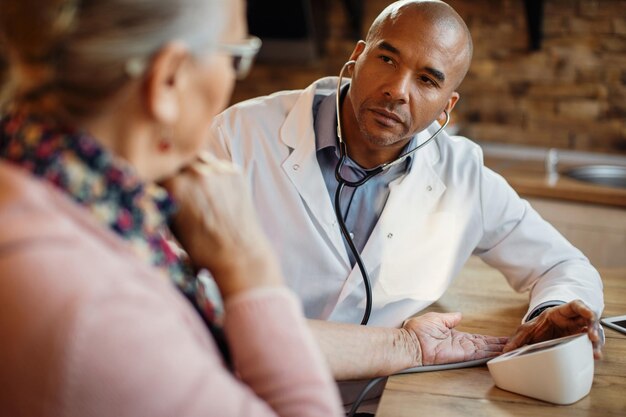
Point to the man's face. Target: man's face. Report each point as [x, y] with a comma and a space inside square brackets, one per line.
[404, 77]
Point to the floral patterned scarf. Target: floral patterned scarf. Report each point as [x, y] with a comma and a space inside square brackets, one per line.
[110, 189]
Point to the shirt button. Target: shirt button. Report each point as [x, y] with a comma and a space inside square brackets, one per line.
[296, 167]
[429, 188]
[351, 235]
[389, 235]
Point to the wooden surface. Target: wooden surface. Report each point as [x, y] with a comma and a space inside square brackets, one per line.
[490, 306]
[529, 179]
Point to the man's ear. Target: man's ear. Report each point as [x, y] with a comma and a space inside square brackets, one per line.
[454, 97]
[162, 88]
[358, 50]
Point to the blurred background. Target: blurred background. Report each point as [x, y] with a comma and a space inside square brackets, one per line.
[545, 96]
[548, 73]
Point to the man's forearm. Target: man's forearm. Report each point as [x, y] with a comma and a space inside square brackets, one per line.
[357, 352]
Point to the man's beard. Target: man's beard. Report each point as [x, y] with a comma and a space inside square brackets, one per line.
[381, 140]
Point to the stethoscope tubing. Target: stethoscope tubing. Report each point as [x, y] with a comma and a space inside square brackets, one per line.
[346, 234]
[342, 182]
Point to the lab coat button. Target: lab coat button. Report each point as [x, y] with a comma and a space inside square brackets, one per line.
[389, 235]
[429, 188]
[296, 167]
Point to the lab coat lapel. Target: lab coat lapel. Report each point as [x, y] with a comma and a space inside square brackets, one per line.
[303, 170]
[411, 198]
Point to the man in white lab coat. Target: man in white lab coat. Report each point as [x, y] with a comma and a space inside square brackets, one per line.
[415, 224]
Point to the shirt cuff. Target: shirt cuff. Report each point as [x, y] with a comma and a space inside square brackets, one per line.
[543, 306]
[261, 294]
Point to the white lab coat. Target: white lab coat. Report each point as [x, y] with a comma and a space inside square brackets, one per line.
[448, 207]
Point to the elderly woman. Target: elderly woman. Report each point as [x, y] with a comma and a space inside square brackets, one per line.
[102, 101]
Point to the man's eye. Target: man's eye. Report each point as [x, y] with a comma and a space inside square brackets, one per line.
[386, 59]
[427, 80]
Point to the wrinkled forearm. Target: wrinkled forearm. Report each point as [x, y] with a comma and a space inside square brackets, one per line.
[357, 352]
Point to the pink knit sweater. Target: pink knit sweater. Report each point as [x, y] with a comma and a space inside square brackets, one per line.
[86, 329]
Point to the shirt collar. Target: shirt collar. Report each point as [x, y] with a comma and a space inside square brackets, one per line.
[325, 126]
[325, 121]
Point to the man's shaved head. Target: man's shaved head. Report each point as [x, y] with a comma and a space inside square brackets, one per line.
[439, 13]
[404, 77]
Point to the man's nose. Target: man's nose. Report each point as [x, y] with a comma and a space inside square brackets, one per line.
[398, 87]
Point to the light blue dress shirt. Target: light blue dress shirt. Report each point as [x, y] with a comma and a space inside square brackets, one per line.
[362, 206]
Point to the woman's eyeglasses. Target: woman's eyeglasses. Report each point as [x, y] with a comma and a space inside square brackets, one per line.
[243, 54]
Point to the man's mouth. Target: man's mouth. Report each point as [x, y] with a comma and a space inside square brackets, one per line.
[385, 117]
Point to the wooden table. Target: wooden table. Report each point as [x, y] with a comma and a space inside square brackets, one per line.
[490, 306]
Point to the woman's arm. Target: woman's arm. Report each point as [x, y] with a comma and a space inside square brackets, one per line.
[272, 348]
[138, 353]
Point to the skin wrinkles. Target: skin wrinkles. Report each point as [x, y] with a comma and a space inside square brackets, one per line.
[405, 75]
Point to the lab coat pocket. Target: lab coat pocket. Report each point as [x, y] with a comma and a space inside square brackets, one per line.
[419, 258]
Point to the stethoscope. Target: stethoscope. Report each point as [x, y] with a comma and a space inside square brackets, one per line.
[342, 182]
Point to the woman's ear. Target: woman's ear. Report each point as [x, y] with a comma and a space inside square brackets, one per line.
[163, 86]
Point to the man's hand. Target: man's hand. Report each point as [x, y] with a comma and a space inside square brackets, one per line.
[440, 343]
[564, 320]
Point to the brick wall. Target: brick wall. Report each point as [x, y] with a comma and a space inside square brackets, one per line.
[571, 93]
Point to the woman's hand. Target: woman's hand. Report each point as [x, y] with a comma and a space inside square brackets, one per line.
[217, 226]
[441, 343]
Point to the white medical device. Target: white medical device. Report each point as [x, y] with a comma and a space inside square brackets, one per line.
[559, 371]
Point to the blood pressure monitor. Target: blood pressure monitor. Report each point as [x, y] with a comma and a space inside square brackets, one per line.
[559, 371]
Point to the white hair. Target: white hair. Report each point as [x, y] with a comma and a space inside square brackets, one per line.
[77, 51]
